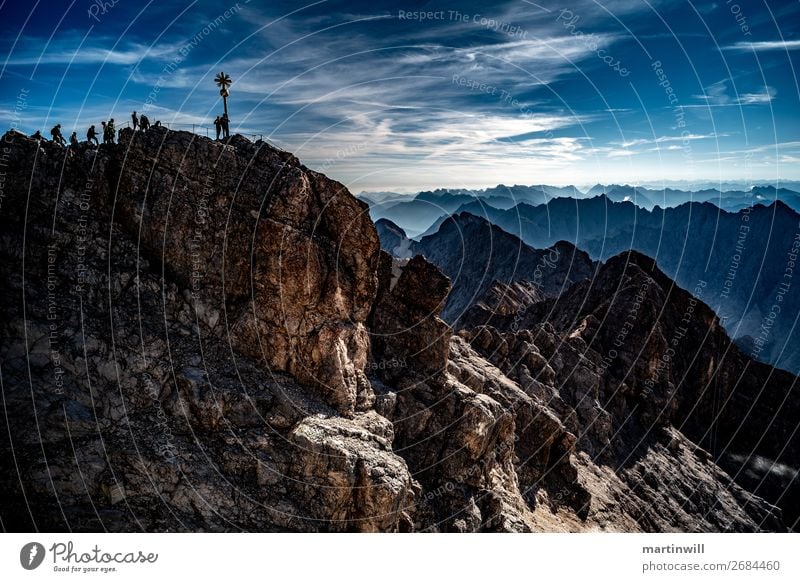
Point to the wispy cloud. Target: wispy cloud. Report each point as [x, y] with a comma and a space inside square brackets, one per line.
[666, 139]
[67, 50]
[717, 95]
[367, 96]
[766, 45]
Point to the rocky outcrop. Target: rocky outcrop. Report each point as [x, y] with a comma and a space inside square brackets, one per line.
[408, 337]
[641, 372]
[501, 299]
[290, 253]
[205, 336]
[184, 343]
[457, 443]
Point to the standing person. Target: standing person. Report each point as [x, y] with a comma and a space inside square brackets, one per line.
[144, 122]
[218, 125]
[73, 144]
[91, 135]
[225, 127]
[112, 131]
[134, 121]
[105, 132]
[56, 134]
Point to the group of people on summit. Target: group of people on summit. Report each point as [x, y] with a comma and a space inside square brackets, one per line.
[140, 122]
[109, 131]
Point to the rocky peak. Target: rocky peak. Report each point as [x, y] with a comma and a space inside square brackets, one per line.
[637, 357]
[210, 332]
[204, 303]
[287, 254]
[474, 253]
[408, 337]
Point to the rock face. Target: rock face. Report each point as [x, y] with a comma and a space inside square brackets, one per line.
[290, 252]
[641, 370]
[184, 322]
[206, 337]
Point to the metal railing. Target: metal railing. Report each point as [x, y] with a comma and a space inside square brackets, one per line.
[199, 129]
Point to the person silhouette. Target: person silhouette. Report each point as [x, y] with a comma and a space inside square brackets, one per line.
[218, 125]
[134, 121]
[56, 134]
[225, 127]
[112, 131]
[144, 122]
[91, 135]
[73, 139]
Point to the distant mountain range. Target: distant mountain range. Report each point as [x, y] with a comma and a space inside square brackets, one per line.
[669, 198]
[744, 260]
[420, 214]
[477, 255]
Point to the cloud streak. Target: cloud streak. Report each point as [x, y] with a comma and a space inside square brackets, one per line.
[767, 45]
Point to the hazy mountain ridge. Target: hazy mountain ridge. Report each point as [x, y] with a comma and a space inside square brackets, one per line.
[742, 256]
[478, 256]
[420, 214]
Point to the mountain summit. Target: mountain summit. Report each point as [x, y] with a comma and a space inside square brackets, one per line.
[206, 336]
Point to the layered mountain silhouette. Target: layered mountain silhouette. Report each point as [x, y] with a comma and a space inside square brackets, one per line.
[421, 214]
[475, 254]
[746, 258]
[730, 200]
[207, 336]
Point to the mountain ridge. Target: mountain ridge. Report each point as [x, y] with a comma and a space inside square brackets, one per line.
[685, 240]
[211, 334]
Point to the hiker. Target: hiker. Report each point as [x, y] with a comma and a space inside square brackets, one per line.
[112, 131]
[225, 126]
[37, 135]
[91, 134]
[73, 139]
[57, 137]
[105, 132]
[134, 120]
[144, 122]
[218, 125]
[157, 123]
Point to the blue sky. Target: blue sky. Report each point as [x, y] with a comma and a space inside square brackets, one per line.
[472, 95]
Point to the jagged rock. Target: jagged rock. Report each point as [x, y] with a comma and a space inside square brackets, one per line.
[501, 299]
[627, 361]
[142, 369]
[408, 337]
[296, 252]
[235, 353]
[345, 473]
